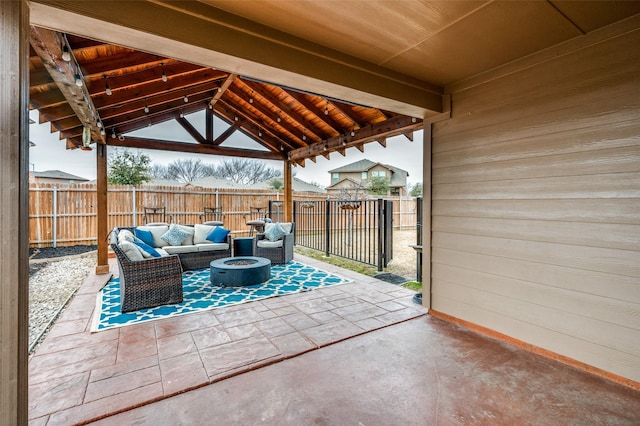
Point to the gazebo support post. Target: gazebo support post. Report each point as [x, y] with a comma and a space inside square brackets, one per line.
[14, 211]
[288, 192]
[103, 216]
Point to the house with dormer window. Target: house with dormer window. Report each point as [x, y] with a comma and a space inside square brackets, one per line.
[362, 172]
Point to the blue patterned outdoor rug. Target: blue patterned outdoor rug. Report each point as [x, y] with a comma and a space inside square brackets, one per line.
[200, 295]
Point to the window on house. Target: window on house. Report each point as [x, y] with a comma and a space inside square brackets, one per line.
[364, 176]
[377, 173]
[334, 177]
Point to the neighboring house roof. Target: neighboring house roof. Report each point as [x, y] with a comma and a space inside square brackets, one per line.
[57, 174]
[365, 165]
[298, 185]
[398, 177]
[163, 182]
[213, 182]
[341, 184]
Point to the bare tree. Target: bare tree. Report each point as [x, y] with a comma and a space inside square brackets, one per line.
[158, 171]
[245, 171]
[187, 170]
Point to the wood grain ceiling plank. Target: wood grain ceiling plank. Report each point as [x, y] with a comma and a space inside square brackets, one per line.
[132, 89]
[289, 117]
[324, 122]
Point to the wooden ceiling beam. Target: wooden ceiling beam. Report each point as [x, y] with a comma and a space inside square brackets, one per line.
[347, 111]
[39, 77]
[223, 88]
[195, 134]
[48, 46]
[225, 135]
[58, 112]
[50, 98]
[128, 61]
[319, 114]
[171, 102]
[257, 115]
[128, 90]
[392, 127]
[232, 113]
[290, 119]
[275, 121]
[209, 149]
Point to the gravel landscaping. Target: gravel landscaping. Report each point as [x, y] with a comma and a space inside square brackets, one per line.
[52, 283]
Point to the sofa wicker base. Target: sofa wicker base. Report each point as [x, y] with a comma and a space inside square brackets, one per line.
[148, 283]
[201, 259]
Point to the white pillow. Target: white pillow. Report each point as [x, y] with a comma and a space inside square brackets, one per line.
[157, 231]
[131, 250]
[201, 232]
[126, 235]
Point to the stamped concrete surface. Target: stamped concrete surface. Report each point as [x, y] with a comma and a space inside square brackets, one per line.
[76, 376]
[420, 372]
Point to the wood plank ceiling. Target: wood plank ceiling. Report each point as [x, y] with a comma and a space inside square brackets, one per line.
[77, 82]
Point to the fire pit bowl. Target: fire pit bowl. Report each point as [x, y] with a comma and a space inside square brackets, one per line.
[240, 271]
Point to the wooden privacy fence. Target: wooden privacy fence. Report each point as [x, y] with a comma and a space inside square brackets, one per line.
[67, 215]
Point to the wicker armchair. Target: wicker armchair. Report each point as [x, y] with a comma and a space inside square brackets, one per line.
[277, 253]
[150, 282]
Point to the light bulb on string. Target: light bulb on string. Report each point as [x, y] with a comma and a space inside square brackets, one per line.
[164, 75]
[66, 54]
[107, 89]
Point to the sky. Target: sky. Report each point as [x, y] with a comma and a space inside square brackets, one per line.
[50, 152]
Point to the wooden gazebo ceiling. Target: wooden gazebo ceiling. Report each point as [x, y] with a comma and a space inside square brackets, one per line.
[146, 89]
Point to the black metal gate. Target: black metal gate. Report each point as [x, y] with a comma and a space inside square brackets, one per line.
[356, 230]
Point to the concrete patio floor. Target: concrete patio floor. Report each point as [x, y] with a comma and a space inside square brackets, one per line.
[419, 372]
[354, 354]
[76, 376]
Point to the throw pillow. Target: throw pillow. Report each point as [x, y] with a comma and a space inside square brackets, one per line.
[145, 236]
[201, 232]
[218, 235]
[125, 235]
[175, 236]
[131, 251]
[274, 232]
[190, 230]
[157, 231]
[147, 250]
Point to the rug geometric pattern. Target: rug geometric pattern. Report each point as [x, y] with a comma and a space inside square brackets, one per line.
[199, 294]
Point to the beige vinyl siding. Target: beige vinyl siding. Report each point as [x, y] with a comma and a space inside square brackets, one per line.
[536, 205]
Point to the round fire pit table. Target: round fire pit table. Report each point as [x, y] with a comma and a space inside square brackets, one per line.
[240, 271]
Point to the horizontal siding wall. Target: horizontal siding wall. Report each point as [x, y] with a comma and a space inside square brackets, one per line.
[536, 205]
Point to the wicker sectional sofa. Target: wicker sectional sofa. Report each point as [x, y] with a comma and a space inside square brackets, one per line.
[195, 252]
[147, 282]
